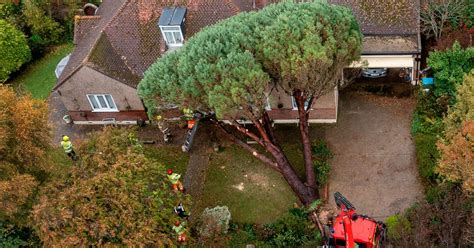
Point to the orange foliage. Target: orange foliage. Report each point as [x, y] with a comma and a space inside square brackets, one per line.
[457, 157]
[15, 192]
[116, 197]
[24, 138]
[24, 130]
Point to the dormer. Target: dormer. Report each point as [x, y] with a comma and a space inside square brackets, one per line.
[171, 25]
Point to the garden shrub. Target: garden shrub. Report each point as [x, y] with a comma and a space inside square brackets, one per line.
[426, 155]
[463, 109]
[8, 11]
[449, 68]
[14, 50]
[457, 157]
[444, 222]
[12, 236]
[398, 226]
[49, 31]
[37, 45]
[214, 222]
[456, 153]
[292, 230]
[321, 155]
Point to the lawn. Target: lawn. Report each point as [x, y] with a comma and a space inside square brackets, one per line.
[38, 78]
[253, 192]
[170, 156]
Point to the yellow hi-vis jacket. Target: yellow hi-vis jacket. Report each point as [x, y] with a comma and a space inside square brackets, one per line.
[179, 229]
[174, 178]
[67, 146]
[188, 114]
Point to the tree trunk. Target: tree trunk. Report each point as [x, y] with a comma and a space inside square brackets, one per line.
[306, 141]
[304, 193]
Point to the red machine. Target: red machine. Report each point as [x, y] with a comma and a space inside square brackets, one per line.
[352, 230]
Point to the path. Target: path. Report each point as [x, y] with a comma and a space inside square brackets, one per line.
[58, 127]
[196, 170]
[374, 164]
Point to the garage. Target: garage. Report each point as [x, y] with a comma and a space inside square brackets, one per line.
[388, 64]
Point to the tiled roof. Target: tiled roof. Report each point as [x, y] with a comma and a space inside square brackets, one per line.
[114, 65]
[108, 10]
[82, 26]
[131, 41]
[126, 40]
[391, 44]
[385, 17]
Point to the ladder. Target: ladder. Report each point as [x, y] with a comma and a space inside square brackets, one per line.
[188, 142]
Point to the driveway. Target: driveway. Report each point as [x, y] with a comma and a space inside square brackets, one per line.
[374, 163]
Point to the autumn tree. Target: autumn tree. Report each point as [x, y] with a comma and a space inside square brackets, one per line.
[24, 139]
[457, 154]
[114, 196]
[230, 67]
[14, 50]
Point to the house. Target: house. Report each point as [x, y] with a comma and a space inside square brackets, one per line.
[115, 46]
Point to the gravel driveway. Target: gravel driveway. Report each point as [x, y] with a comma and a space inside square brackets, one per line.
[374, 164]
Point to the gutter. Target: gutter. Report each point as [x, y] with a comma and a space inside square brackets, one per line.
[391, 53]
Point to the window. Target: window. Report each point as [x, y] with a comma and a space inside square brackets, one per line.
[172, 35]
[268, 107]
[295, 107]
[102, 103]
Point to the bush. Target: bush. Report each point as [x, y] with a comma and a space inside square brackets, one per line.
[214, 222]
[449, 68]
[292, 230]
[42, 25]
[462, 110]
[13, 236]
[444, 222]
[321, 155]
[457, 156]
[426, 155]
[398, 226]
[14, 51]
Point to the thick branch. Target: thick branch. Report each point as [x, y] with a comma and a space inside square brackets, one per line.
[251, 135]
[262, 131]
[247, 147]
[267, 123]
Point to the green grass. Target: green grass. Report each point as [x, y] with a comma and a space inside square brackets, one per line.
[170, 156]
[39, 78]
[253, 192]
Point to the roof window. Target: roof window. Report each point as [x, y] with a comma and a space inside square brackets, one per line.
[171, 25]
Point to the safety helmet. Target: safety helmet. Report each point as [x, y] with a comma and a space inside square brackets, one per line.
[65, 138]
[159, 117]
[177, 223]
[169, 171]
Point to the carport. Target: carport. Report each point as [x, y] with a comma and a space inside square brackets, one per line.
[395, 52]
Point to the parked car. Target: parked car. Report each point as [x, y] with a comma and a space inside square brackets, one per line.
[374, 72]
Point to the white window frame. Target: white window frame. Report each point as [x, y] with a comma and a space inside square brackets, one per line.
[172, 43]
[101, 108]
[268, 107]
[295, 107]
